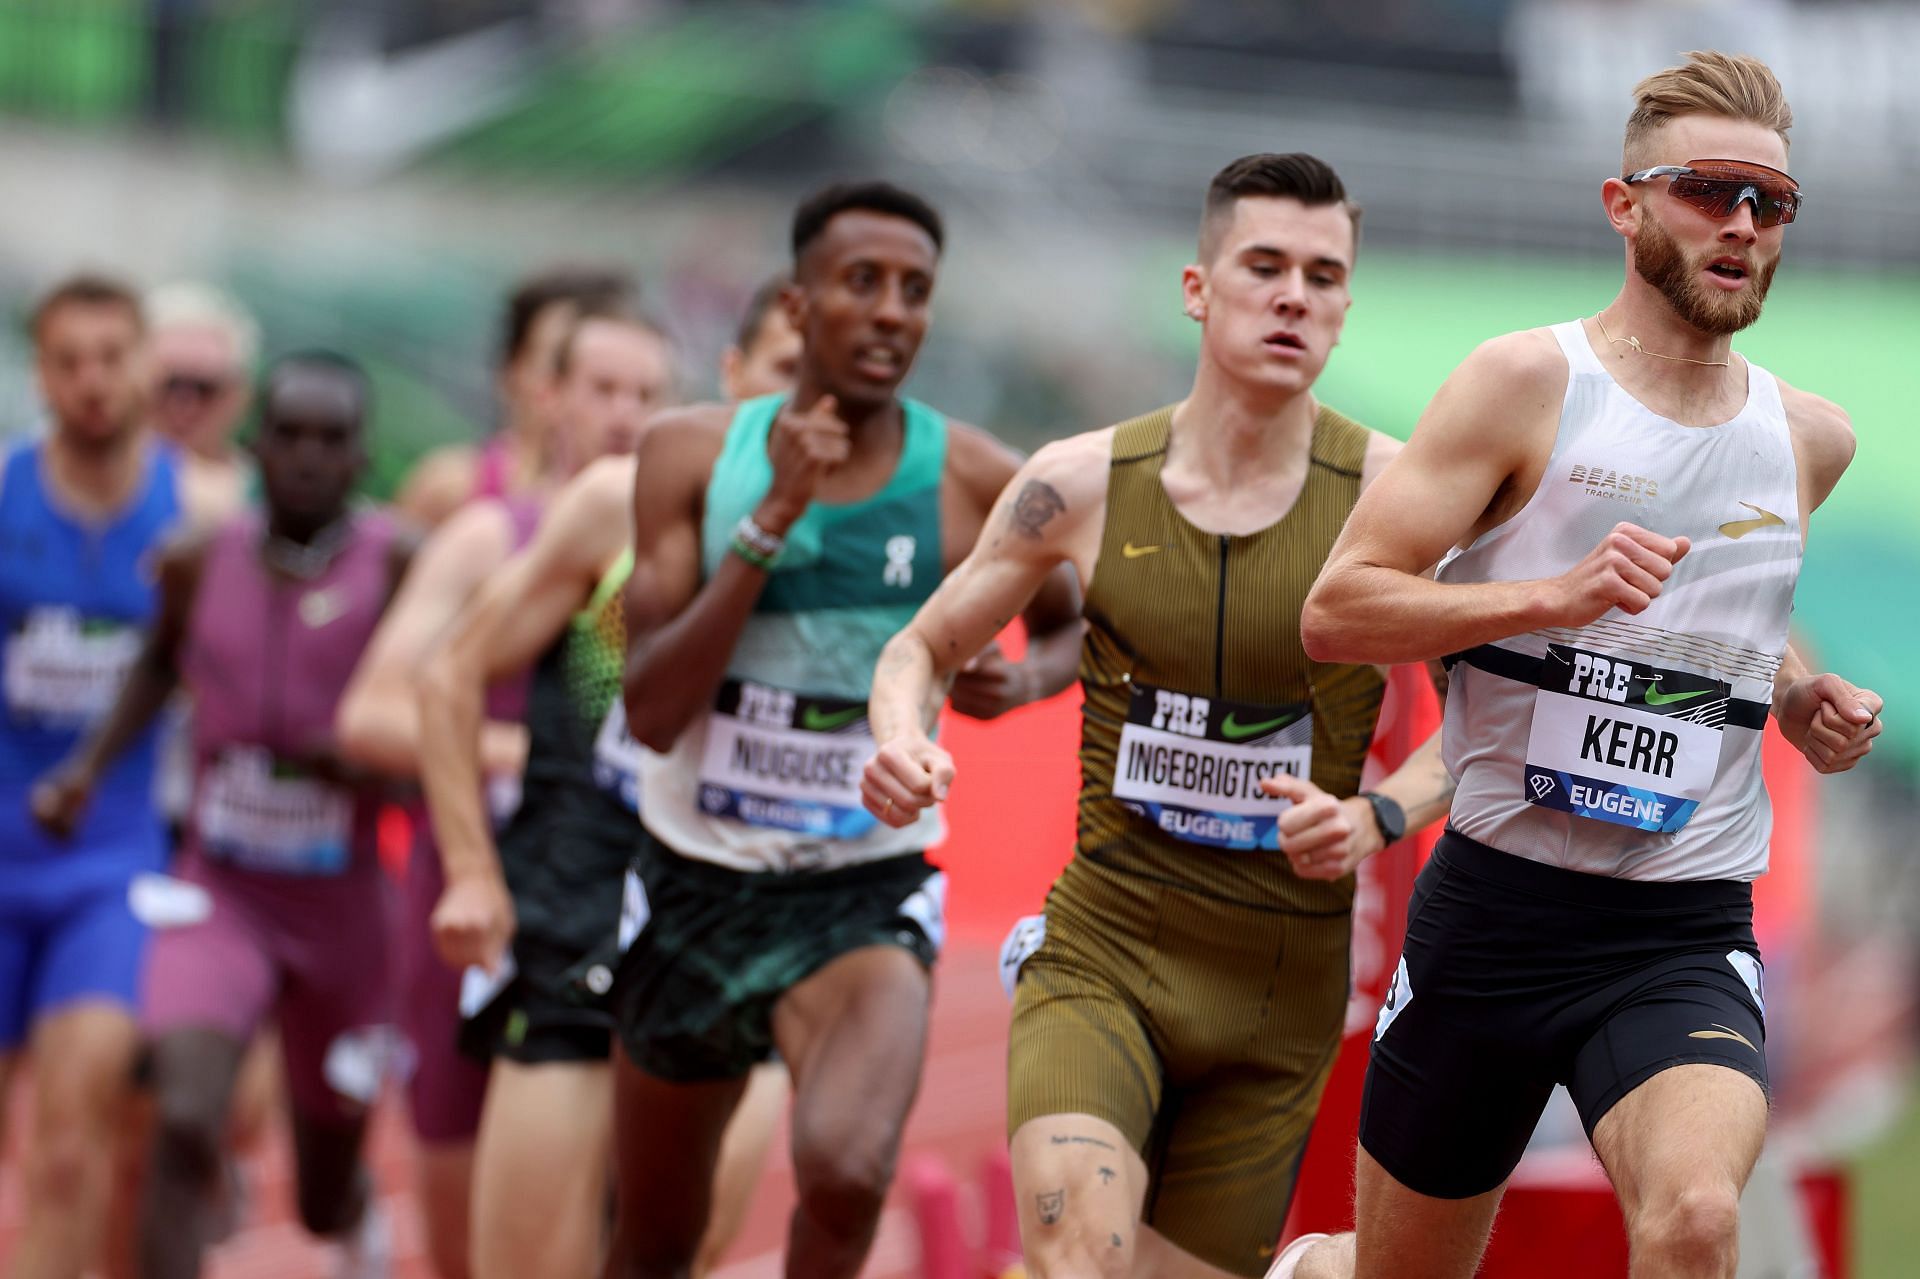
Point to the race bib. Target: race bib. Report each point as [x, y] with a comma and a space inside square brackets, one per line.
[1193, 765]
[63, 670]
[616, 758]
[1623, 742]
[263, 814]
[787, 761]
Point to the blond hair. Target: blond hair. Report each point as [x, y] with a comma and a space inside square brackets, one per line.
[1733, 86]
[188, 304]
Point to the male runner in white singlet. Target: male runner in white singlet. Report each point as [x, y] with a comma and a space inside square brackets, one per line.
[1618, 507]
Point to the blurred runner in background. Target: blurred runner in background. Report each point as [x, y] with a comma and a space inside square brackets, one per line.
[540, 913]
[631, 360]
[82, 515]
[523, 458]
[280, 905]
[381, 728]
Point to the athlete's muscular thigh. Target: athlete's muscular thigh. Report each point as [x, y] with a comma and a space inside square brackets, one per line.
[1079, 1187]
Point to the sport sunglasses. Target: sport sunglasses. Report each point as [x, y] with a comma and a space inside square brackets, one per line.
[1718, 187]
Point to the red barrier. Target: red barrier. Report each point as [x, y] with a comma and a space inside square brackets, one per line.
[1000, 1254]
[935, 1198]
[1324, 1200]
[1559, 1217]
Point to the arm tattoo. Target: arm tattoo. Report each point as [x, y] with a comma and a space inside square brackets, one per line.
[1037, 503]
[1078, 1139]
[1050, 1205]
[893, 659]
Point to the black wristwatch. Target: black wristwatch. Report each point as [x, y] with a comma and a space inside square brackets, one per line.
[1387, 815]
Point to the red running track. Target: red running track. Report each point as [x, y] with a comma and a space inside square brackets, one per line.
[958, 1116]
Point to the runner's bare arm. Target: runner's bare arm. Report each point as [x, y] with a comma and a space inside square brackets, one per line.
[378, 723]
[438, 485]
[1033, 530]
[1823, 445]
[988, 684]
[1829, 720]
[59, 800]
[1381, 450]
[681, 631]
[1481, 441]
[1325, 838]
[518, 613]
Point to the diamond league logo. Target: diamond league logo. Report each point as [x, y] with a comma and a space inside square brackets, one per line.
[1542, 785]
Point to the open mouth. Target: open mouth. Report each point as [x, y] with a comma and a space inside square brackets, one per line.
[1282, 340]
[1732, 270]
[879, 362]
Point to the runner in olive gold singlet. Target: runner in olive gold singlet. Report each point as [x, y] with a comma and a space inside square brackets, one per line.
[1179, 1004]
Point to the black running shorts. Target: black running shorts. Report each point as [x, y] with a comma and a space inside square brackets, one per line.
[696, 989]
[555, 1009]
[1517, 976]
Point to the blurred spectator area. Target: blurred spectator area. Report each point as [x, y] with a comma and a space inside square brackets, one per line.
[1471, 123]
[370, 174]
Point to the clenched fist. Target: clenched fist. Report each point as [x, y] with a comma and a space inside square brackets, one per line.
[1830, 721]
[1626, 571]
[803, 446]
[1323, 837]
[905, 777]
[473, 922]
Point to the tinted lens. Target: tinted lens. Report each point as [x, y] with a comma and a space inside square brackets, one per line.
[1717, 190]
[187, 387]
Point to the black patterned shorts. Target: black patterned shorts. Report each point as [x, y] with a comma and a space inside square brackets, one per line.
[717, 948]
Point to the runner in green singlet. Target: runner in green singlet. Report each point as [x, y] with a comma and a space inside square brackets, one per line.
[777, 546]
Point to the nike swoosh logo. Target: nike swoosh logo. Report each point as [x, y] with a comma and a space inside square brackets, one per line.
[814, 721]
[1723, 1032]
[317, 608]
[1133, 552]
[1740, 528]
[1657, 698]
[1233, 730]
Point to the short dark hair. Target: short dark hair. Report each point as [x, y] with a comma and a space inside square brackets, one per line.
[626, 317]
[1293, 176]
[590, 288]
[820, 208]
[87, 289]
[754, 318]
[320, 360]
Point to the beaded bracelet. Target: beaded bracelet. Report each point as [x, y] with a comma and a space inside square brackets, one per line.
[752, 554]
[755, 545]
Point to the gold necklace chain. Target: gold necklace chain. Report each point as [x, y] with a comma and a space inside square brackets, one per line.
[1634, 342]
